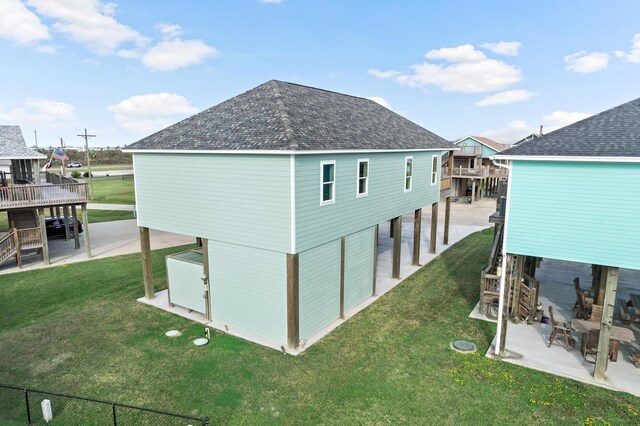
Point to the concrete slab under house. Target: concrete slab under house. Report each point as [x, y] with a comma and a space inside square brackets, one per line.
[564, 217]
[318, 180]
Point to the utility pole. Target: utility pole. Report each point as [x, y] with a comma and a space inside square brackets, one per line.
[62, 149]
[86, 148]
[35, 132]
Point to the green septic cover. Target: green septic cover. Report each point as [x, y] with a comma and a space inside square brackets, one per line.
[464, 346]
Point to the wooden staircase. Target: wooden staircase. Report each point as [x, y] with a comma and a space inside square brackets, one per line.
[8, 246]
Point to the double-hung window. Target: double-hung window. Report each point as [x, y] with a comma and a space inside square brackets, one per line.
[327, 182]
[363, 178]
[434, 169]
[408, 174]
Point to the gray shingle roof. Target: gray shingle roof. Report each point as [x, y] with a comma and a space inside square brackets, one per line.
[284, 116]
[612, 133]
[13, 146]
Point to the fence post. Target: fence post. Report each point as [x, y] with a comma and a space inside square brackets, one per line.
[26, 398]
[113, 410]
[206, 421]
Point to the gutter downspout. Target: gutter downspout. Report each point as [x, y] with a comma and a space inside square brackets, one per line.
[503, 275]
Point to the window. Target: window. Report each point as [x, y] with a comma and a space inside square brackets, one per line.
[408, 174]
[434, 170]
[327, 182]
[363, 178]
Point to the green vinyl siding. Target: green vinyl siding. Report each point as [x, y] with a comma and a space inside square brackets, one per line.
[319, 287]
[576, 211]
[241, 199]
[249, 290]
[184, 281]
[358, 268]
[318, 224]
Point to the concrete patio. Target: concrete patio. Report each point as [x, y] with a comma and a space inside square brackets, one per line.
[526, 345]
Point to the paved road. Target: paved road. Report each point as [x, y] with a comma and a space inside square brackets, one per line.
[122, 207]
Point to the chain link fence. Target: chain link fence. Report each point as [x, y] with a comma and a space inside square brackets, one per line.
[20, 406]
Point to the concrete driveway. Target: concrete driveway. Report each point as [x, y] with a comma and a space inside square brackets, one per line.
[107, 239]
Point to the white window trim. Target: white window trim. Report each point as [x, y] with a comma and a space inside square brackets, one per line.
[404, 180]
[322, 164]
[434, 172]
[366, 186]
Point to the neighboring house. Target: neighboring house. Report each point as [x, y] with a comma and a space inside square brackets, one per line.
[24, 197]
[572, 196]
[474, 174]
[528, 138]
[285, 186]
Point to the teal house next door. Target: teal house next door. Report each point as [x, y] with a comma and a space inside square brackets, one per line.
[285, 186]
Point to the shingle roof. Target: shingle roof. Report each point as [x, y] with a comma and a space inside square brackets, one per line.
[284, 116]
[13, 146]
[489, 142]
[612, 133]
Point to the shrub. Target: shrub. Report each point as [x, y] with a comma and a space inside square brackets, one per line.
[76, 174]
[86, 174]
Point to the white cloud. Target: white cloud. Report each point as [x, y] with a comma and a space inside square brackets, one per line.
[170, 55]
[89, 22]
[507, 48]
[169, 30]
[380, 100]
[383, 74]
[558, 119]
[512, 132]
[505, 98]
[634, 54]
[19, 24]
[47, 112]
[47, 48]
[151, 112]
[470, 72]
[463, 53]
[584, 62]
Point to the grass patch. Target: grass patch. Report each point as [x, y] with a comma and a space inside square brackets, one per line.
[113, 191]
[78, 329]
[97, 216]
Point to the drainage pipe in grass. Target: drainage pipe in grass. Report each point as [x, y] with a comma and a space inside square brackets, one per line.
[503, 274]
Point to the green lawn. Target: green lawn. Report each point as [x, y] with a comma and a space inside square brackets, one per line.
[95, 216]
[113, 191]
[78, 329]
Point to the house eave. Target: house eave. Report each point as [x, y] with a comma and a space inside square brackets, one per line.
[281, 151]
[583, 159]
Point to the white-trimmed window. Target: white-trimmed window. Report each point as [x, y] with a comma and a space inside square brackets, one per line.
[434, 170]
[408, 174]
[327, 182]
[363, 177]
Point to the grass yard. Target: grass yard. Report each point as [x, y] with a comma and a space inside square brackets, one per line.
[95, 216]
[113, 191]
[78, 329]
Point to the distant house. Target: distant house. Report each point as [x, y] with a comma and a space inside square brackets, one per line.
[284, 185]
[573, 196]
[528, 138]
[474, 174]
[24, 196]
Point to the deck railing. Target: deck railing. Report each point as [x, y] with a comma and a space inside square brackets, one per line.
[58, 178]
[25, 196]
[476, 172]
[498, 172]
[7, 246]
[468, 151]
[29, 238]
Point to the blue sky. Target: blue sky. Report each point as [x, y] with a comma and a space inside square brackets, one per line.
[128, 68]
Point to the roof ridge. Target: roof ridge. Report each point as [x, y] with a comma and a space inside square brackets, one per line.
[324, 90]
[284, 115]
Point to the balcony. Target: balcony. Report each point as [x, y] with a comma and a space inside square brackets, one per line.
[469, 151]
[29, 196]
[475, 173]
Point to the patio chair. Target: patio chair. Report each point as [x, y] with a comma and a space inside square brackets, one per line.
[585, 294]
[583, 306]
[596, 313]
[588, 292]
[562, 330]
[589, 346]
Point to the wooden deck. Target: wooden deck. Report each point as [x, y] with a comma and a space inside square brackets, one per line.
[466, 173]
[29, 196]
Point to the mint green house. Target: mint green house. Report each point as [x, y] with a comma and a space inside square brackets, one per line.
[573, 196]
[473, 172]
[285, 186]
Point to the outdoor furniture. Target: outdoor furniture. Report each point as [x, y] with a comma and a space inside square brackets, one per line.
[562, 330]
[617, 335]
[596, 313]
[588, 292]
[589, 345]
[635, 358]
[635, 304]
[584, 300]
[624, 313]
